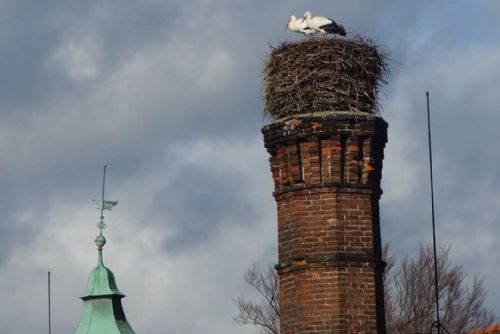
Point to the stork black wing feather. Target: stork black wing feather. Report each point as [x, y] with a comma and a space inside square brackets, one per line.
[334, 28]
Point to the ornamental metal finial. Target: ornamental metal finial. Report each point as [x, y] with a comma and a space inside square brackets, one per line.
[102, 205]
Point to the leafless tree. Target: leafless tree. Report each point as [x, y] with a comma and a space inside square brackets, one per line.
[389, 304]
[409, 296]
[265, 313]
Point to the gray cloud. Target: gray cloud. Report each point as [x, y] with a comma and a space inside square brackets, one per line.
[169, 95]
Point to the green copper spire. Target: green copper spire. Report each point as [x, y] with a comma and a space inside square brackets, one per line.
[102, 306]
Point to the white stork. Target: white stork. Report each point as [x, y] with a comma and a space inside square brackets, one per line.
[299, 26]
[324, 25]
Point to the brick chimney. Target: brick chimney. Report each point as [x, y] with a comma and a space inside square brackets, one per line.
[493, 329]
[326, 169]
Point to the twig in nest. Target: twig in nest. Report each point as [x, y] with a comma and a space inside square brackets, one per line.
[324, 75]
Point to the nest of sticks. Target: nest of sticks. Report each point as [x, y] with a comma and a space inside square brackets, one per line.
[324, 75]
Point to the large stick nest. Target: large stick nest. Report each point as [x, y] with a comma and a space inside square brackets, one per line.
[324, 75]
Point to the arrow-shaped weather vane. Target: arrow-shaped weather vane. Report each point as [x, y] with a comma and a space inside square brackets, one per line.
[103, 204]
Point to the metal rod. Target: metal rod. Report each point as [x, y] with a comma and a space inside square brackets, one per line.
[48, 281]
[102, 198]
[103, 180]
[436, 282]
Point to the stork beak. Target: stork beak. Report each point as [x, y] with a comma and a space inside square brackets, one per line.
[303, 19]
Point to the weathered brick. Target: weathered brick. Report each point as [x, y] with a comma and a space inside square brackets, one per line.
[327, 174]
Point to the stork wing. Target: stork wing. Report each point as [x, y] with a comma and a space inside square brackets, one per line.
[334, 28]
[322, 21]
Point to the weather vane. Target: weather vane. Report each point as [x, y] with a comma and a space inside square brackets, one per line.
[103, 204]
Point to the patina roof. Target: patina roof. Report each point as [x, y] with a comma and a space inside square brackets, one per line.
[102, 308]
[101, 281]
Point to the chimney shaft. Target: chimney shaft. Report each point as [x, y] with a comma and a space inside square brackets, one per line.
[326, 168]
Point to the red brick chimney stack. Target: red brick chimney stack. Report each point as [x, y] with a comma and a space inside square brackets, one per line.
[326, 168]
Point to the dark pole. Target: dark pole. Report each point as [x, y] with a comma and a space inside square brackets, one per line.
[50, 330]
[436, 284]
[103, 185]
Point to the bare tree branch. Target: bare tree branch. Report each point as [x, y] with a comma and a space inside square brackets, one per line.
[409, 296]
[264, 314]
[410, 300]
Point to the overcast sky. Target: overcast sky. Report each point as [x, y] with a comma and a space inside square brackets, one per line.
[169, 95]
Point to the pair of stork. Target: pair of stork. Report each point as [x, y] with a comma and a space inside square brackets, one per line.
[309, 25]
